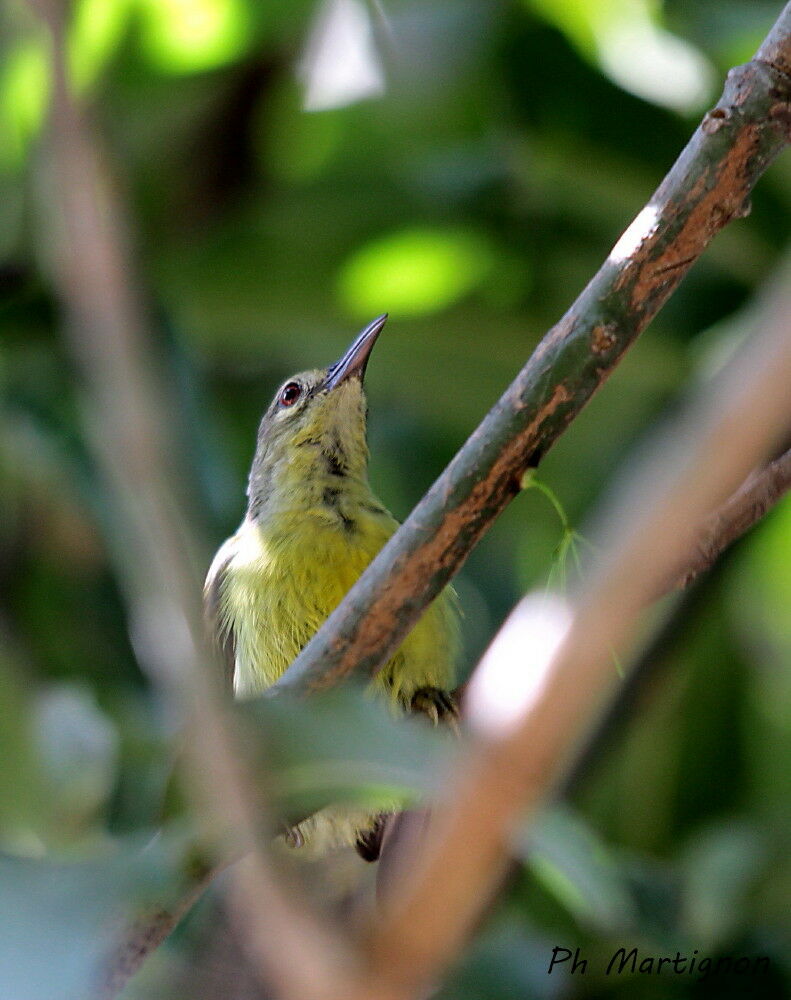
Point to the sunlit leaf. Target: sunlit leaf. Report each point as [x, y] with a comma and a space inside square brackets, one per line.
[24, 92]
[626, 40]
[187, 36]
[96, 29]
[414, 272]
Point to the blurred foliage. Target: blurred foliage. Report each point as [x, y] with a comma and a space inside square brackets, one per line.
[59, 919]
[341, 746]
[473, 165]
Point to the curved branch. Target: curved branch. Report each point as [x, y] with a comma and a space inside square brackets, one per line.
[708, 186]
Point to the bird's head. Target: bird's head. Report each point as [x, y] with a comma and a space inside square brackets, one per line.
[313, 431]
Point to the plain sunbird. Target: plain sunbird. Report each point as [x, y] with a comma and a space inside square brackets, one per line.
[312, 526]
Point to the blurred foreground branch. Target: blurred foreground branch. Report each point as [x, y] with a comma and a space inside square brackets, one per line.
[708, 186]
[157, 561]
[526, 742]
[146, 933]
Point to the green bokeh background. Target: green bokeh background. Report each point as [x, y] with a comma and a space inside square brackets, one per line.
[471, 200]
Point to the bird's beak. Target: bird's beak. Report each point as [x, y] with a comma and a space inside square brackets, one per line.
[355, 359]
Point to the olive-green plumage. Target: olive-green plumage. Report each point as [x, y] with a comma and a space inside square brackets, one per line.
[312, 526]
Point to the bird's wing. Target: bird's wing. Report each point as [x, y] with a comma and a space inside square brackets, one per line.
[219, 632]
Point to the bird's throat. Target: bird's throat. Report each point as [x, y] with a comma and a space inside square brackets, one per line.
[318, 478]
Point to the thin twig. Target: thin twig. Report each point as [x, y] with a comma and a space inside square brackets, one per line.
[762, 490]
[708, 186]
[145, 934]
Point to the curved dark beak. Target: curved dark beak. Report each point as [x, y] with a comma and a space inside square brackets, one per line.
[354, 361]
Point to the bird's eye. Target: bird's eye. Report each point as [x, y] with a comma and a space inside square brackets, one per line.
[290, 394]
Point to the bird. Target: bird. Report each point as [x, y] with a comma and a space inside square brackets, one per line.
[312, 526]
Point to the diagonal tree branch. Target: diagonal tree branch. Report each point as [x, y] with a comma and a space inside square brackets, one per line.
[524, 744]
[708, 186]
[291, 949]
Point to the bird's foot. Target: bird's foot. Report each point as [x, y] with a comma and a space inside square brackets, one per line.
[437, 704]
[293, 836]
[369, 842]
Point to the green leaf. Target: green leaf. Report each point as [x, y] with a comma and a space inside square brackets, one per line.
[343, 745]
[414, 272]
[509, 960]
[24, 93]
[627, 41]
[77, 751]
[96, 31]
[719, 868]
[579, 870]
[189, 36]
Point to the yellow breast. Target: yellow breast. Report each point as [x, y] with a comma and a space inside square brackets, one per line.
[282, 580]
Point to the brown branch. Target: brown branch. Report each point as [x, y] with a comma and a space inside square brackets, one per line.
[145, 934]
[519, 760]
[757, 495]
[708, 186]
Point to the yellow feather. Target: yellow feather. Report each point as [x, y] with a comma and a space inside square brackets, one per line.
[285, 579]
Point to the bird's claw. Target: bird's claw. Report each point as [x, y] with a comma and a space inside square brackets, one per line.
[293, 836]
[437, 704]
